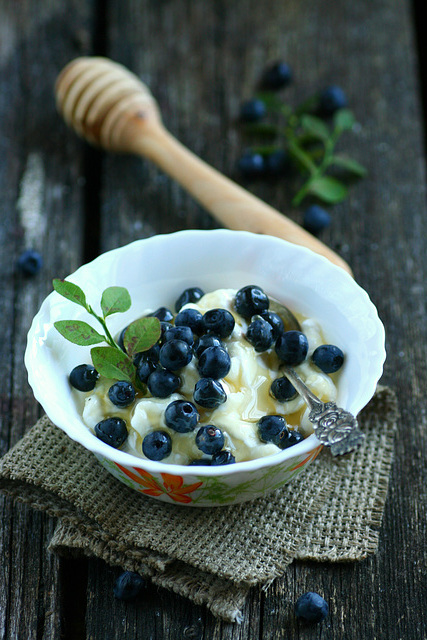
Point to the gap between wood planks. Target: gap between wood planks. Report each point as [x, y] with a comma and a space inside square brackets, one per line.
[93, 159]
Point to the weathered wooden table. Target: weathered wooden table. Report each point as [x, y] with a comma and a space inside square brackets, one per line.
[70, 202]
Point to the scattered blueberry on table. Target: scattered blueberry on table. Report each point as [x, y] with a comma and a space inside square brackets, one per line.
[331, 99]
[252, 110]
[316, 219]
[29, 262]
[276, 76]
[311, 607]
[251, 165]
[128, 586]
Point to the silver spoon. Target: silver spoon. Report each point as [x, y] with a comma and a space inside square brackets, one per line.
[334, 427]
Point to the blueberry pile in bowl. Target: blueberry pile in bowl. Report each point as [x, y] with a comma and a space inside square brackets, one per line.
[155, 271]
[210, 389]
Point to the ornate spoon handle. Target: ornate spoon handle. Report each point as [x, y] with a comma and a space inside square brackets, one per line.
[334, 427]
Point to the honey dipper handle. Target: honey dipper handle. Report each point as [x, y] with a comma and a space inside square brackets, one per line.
[229, 203]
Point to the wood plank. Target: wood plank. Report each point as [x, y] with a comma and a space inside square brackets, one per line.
[41, 208]
[200, 63]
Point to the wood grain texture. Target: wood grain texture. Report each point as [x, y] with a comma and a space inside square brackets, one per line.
[41, 187]
[201, 60]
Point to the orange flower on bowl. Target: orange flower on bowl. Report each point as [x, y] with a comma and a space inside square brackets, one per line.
[172, 485]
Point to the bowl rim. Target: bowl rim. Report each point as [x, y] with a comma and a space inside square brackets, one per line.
[80, 433]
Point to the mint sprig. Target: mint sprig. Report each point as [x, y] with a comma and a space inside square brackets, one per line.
[110, 361]
[310, 142]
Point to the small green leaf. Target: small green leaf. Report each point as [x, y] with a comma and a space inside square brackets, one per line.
[113, 363]
[115, 300]
[328, 189]
[141, 335]
[343, 119]
[349, 165]
[270, 99]
[70, 291]
[78, 332]
[315, 127]
[301, 156]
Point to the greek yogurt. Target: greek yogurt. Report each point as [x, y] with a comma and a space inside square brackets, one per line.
[246, 385]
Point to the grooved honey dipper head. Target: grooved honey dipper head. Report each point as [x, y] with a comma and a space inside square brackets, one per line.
[105, 103]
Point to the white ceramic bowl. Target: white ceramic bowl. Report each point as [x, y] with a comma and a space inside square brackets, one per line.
[155, 271]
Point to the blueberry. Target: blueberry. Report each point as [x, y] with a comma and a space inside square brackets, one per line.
[293, 438]
[162, 313]
[128, 585]
[220, 322]
[328, 358]
[208, 340]
[112, 431]
[209, 393]
[190, 318]
[192, 294]
[282, 389]
[311, 607]
[84, 377]
[252, 110]
[144, 369]
[214, 363]
[157, 445]
[122, 393]
[165, 327]
[275, 321]
[251, 165]
[331, 99]
[250, 301]
[151, 354]
[277, 76]
[175, 354]
[277, 163]
[316, 219]
[273, 428]
[200, 462]
[221, 458]
[29, 262]
[210, 439]
[180, 333]
[292, 347]
[161, 383]
[181, 416]
[260, 334]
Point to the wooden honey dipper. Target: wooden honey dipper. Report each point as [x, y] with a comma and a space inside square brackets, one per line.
[110, 107]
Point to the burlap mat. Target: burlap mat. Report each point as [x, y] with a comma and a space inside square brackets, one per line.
[331, 512]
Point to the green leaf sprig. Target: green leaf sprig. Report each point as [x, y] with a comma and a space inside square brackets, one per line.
[310, 142]
[110, 361]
